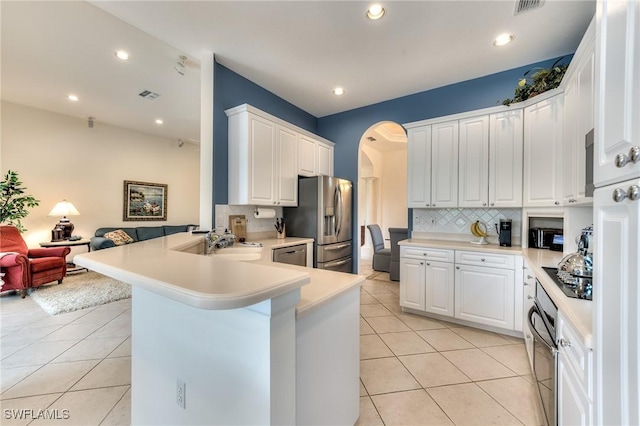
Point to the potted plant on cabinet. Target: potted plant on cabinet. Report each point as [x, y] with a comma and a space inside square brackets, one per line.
[14, 204]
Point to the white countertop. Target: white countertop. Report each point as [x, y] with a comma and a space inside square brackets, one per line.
[578, 312]
[207, 282]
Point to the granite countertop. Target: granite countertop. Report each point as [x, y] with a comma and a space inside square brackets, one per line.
[578, 312]
[209, 282]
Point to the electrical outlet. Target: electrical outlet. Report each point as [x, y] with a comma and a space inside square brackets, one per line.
[181, 393]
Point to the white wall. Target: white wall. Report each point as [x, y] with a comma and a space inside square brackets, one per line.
[394, 191]
[58, 156]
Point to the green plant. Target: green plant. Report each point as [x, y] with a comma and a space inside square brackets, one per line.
[538, 82]
[14, 204]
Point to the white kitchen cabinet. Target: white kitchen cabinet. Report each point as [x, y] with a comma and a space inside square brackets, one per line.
[485, 295]
[575, 377]
[543, 153]
[473, 176]
[314, 157]
[439, 288]
[618, 92]
[412, 278]
[444, 164]
[262, 161]
[426, 279]
[578, 119]
[505, 159]
[325, 159]
[616, 296]
[419, 167]
[307, 156]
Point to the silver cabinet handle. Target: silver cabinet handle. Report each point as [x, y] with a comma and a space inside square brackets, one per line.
[529, 277]
[484, 204]
[482, 259]
[565, 343]
[526, 283]
[457, 267]
[619, 195]
[492, 204]
[421, 263]
[433, 205]
[428, 264]
[634, 192]
[529, 297]
[557, 203]
[624, 159]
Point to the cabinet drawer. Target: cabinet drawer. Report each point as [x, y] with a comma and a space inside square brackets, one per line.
[473, 258]
[426, 254]
[576, 355]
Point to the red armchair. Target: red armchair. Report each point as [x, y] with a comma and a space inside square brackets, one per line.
[23, 267]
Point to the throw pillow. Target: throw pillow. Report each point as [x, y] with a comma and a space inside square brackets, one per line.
[119, 237]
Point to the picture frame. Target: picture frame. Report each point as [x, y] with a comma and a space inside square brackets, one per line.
[144, 201]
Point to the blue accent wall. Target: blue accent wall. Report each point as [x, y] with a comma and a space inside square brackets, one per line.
[231, 90]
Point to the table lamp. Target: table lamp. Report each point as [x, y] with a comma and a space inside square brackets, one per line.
[64, 228]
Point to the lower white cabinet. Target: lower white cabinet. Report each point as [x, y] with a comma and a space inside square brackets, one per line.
[485, 295]
[575, 377]
[430, 281]
[529, 283]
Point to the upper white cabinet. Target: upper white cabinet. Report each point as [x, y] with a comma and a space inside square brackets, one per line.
[419, 167]
[505, 159]
[617, 148]
[433, 165]
[314, 157]
[543, 153]
[474, 162]
[267, 154]
[578, 118]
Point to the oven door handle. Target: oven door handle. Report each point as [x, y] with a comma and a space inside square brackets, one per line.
[534, 311]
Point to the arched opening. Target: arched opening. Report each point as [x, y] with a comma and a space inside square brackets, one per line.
[382, 183]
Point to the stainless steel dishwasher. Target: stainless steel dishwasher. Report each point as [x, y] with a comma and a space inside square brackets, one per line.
[293, 255]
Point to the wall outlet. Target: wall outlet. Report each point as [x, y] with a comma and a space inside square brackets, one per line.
[181, 393]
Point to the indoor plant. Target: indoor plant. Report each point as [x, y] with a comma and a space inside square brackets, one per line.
[540, 81]
[14, 204]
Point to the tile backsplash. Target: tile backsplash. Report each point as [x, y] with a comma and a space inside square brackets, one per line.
[457, 221]
[253, 225]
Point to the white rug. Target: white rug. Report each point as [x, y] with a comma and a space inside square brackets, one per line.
[79, 291]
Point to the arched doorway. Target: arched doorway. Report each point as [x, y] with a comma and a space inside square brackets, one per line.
[382, 183]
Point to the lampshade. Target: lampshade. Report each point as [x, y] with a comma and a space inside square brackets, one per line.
[64, 208]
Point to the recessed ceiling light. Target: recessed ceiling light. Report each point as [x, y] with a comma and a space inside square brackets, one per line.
[375, 11]
[338, 91]
[503, 39]
[121, 54]
[159, 121]
[73, 98]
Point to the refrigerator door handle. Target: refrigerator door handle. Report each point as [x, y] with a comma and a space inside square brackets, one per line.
[339, 212]
[336, 263]
[341, 246]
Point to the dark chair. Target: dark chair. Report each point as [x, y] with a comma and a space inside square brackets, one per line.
[396, 234]
[24, 267]
[381, 255]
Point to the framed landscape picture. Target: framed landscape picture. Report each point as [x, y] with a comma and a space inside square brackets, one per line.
[144, 201]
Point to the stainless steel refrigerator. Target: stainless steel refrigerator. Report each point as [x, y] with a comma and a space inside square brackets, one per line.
[324, 214]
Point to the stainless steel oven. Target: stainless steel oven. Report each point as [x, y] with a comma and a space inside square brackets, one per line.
[542, 323]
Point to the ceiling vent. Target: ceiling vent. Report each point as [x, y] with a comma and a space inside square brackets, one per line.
[148, 94]
[371, 139]
[523, 6]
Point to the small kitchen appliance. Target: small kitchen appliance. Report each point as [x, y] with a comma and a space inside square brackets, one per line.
[504, 232]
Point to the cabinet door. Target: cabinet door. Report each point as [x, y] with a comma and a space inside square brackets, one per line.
[474, 162]
[287, 167]
[439, 289]
[306, 156]
[543, 153]
[574, 407]
[529, 282]
[412, 283]
[418, 167]
[485, 295]
[262, 167]
[618, 91]
[325, 159]
[505, 161]
[444, 165]
[616, 297]
[569, 143]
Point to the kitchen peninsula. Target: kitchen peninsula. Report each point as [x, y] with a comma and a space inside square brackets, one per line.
[219, 341]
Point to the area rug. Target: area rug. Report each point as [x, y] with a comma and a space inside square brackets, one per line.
[79, 291]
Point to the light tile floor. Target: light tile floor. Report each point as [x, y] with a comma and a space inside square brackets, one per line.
[414, 370]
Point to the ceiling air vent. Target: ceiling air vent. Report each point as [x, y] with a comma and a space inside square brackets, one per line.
[148, 94]
[371, 139]
[526, 5]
